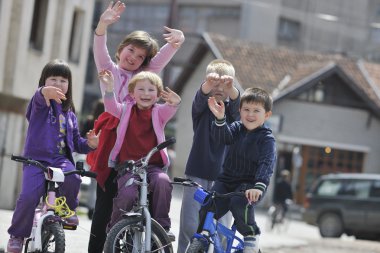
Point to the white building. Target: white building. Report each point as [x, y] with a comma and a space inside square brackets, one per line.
[33, 33]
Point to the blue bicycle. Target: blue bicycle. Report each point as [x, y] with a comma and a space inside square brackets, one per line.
[209, 239]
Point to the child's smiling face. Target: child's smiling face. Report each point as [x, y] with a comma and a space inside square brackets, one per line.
[253, 115]
[145, 93]
[132, 57]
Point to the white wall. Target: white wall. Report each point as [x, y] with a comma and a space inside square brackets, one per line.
[30, 62]
[21, 67]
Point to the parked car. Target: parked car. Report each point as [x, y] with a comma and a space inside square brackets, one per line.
[345, 203]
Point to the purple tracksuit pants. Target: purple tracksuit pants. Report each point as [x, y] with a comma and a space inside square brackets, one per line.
[159, 188]
[33, 188]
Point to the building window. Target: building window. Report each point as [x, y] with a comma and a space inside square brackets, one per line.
[326, 160]
[333, 91]
[37, 33]
[76, 36]
[288, 30]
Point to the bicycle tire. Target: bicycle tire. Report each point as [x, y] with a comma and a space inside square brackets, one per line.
[120, 238]
[53, 238]
[196, 246]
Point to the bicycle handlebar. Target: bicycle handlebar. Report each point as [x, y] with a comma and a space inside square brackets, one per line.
[29, 161]
[191, 183]
[166, 143]
[130, 164]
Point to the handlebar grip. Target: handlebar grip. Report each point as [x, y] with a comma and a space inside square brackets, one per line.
[89, 174]
[166, 143]
[18, 158]
[180, 179]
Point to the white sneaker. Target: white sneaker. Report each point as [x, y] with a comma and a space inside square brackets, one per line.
[251, 244]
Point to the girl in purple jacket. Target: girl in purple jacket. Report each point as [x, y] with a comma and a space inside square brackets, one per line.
[51, 138]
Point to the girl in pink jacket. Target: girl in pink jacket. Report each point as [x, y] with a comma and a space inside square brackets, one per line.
[138, 51]
[141, 127]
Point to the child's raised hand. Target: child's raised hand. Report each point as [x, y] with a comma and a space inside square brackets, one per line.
[216, 108]
[227, 81]
[253, 195]
[229, 88]
[106, 77]
[213, 80]
[170, 97]
[174, 37]
[51, 92]
[93, 138]
[109, 16]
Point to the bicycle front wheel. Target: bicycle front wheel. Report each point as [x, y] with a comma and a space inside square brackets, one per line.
[53, 238]
[128, 236]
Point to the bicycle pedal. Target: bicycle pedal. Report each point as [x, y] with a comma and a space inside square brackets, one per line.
[69, 227]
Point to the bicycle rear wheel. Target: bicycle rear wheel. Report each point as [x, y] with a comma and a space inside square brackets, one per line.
[129, 232]
[53, 238]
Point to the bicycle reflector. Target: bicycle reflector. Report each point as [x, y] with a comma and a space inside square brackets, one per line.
[200, 195]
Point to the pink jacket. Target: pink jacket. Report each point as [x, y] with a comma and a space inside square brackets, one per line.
[122, 77]
[161, 114]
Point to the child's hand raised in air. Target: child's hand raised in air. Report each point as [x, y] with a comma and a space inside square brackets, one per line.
[170, 97]
[217, 108]
[106, 77]
[253, 195]
[109, 16]
[92, 139]
[51, 92]
[227, 81]
[174, 37]
[213, 80]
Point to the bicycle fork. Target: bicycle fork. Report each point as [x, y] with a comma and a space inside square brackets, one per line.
[34, 242]
[146, 216]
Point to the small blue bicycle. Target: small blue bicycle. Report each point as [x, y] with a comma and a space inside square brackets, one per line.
[209, 240]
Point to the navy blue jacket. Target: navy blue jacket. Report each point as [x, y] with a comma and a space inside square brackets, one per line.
[251, 155]
[206, 155]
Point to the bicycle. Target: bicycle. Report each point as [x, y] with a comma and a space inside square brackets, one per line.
[49, 219]
[277, 217]
[131, 233]
[209, 239]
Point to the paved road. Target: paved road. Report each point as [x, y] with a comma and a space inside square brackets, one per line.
[299, 237]
[77, 241]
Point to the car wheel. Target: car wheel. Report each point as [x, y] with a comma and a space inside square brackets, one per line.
[330, 225]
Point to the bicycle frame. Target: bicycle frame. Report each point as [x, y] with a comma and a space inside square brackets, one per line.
[139, 168]
[47, 213]
[53, 176]
[212, 229]
[143, 206]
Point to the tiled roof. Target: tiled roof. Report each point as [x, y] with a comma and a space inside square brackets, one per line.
[263, 66]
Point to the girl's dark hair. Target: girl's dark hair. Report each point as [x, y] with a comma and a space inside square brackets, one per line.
[140, 39]
[257, 95]
[59, 67]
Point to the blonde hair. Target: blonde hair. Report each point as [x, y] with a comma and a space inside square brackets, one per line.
[221, 67]
[153, 78]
